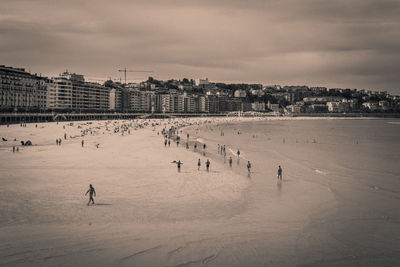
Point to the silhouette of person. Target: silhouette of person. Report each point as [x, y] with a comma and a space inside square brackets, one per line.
[279, 172]
[207, 164]
[178, 164]
[91, 192]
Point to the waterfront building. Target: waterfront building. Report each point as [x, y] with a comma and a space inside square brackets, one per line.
[240, 93]
[71, 92]
[227, 104]
[371, 106]
[18, 90]
[212, 104]
[258, 106]
[43, 84]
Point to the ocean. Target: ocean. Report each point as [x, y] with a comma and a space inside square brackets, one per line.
[340, 189]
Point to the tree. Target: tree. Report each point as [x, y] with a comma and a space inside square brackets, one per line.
[108, 83]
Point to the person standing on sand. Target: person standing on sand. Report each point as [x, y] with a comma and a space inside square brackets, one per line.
[207, 164]
[248, 167]
[230, 162]
[279, 173]
[91, 192]
[238, 153]
[198, 165]
[83, 143]
[178, 164]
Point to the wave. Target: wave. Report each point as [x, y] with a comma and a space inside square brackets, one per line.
[320, 172]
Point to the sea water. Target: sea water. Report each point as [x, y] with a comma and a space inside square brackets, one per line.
[340, 193]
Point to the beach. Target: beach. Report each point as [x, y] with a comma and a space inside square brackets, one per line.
[337, 204]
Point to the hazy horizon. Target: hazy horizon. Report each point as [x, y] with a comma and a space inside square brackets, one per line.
[345, 44]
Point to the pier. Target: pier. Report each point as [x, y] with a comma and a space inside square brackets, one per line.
[13, 118]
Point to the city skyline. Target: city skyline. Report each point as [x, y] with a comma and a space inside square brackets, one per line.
[345, 44]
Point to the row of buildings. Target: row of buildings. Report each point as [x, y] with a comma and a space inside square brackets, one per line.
[22, 91]
[25, 92]
[69, 92]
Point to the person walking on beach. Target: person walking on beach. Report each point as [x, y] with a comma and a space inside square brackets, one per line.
[279, 173]
[238, 153]
[198, 165]
[91, 192]
[83, 143]
[248, 167]
[207, 164]
[230, 162]
[165, 142]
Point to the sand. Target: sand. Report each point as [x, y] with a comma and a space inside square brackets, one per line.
[149, 214]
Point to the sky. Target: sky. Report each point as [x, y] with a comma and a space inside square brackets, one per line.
[335, 43]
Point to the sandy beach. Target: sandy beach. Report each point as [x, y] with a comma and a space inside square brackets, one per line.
[149, 214]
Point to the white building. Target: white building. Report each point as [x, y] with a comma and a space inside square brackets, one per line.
[258, 106]
[240, 93]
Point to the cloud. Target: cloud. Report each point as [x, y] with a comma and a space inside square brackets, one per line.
[352, 43]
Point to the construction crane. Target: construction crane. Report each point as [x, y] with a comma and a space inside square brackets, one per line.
[125, 71]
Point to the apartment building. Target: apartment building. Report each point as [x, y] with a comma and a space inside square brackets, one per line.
[18, 89]
[70, 91]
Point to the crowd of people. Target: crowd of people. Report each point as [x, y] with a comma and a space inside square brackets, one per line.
[171, 132]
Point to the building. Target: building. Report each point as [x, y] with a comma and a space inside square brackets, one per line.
[18, 90]
[59, 95]
[212, 104]
[69, 91]
[202, 82]
[339, 106]
[384, 105]
[294, 108]
[227, 104]
[371, 106]
[258, 106]
[43, 84]
[240, 93]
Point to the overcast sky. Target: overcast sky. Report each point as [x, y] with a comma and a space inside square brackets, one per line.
[333, 43]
